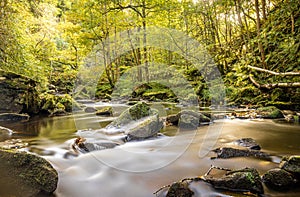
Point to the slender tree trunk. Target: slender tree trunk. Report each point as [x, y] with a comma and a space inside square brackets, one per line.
[258, 27]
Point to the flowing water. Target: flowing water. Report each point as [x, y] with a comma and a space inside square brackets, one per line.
[141, 168]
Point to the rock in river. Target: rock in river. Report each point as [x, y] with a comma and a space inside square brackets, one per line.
[269, 112]
[227, 152]
[25, 174]
[105, 111]
[278, 179]
[291, 164]
[249, 143]
[179, 189]
[187, 119]
[137, 122]
[246, 179]
[14, 117]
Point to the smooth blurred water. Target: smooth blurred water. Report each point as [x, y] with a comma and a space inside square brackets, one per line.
[141, 168]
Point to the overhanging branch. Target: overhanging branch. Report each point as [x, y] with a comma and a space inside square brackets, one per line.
[275, 73]
[275, 85]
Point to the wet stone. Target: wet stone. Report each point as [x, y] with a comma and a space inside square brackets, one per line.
[227, 152]
[278, 179]
[246, 179]
[25, 174]
[249, 143]
[291, 164]
[179, 189]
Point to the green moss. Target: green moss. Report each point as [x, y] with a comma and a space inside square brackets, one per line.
[139, 111]
[270, 112]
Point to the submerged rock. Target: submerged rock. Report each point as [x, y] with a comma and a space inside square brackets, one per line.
[90, 109]
[187, 119]
[278, 179]
[246, 179]
[81, 145]
[25, 174]
[270, 112]
[105, 111]
[226, 152]
[249, 143]
[291, 164]
[179, 189]
[14, 117]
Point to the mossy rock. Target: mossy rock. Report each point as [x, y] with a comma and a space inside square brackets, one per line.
[18, 93]
[278, 179]
[147, 128]
[135, 112]
[25, 174]
[291, 164]
[51, 102]
[187, 119]
[179, 189]
[153, 91]
[246, 179]
[270, 112]
[105, 111]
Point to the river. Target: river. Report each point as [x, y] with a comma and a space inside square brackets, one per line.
[141, 168]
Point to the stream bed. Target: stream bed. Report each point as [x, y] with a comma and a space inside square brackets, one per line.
[139, 168]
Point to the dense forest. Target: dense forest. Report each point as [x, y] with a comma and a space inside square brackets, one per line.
[254, 44]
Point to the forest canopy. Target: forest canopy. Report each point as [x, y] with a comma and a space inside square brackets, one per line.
[254, 44]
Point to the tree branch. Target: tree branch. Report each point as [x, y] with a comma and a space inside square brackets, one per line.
[275, 73]
[275, 85]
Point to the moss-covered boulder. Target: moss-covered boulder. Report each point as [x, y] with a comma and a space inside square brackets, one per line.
[25, 174]
[153, 92]
[105, 111]
[57, 104]
[270, 112]
[291, 164]
[18, 93]
[278, 179]
[187, 119]
[246, 179]
[179, 189]
[137, 122]
[135, 112]
[148, 127]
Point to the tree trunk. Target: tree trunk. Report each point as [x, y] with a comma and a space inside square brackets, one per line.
[258, 27]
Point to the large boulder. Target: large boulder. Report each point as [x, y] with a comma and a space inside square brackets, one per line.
[246, 179]
[132, 114]
[17, 93]
[270, 112]
[187, 119]
[25, 174]
[137, 122]
[148, 127]
[291, 164]
[278, 179]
